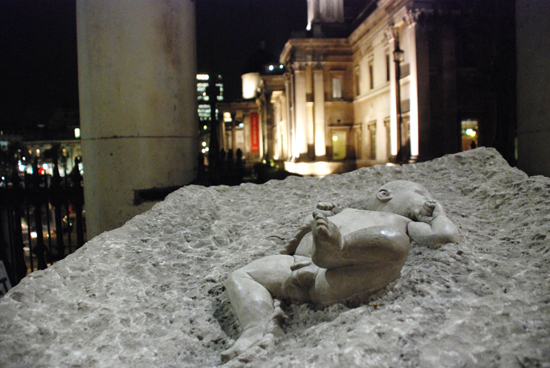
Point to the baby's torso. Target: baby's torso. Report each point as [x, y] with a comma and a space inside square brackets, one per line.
[351, 220]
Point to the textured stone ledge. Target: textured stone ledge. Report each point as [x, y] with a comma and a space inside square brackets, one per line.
[150, 294]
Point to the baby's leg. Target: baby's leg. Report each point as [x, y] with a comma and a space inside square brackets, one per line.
[250, 291]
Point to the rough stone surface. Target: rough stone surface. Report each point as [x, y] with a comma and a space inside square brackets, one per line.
[150, 294]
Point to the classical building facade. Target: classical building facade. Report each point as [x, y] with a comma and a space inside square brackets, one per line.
[409, 81]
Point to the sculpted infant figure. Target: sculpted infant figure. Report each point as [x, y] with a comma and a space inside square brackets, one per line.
[336, 258]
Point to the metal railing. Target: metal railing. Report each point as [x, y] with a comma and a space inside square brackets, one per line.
[42, 220]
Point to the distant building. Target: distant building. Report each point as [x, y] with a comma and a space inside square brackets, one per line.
[209, 93]
[248, 124]
[345, 102]
[59, 130]
[69, 151]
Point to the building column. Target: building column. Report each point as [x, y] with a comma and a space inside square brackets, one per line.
[533, 86]
[137, 82]
[451, 132]
[300, 109]
[319, 112]
[289, 118]
[391, 33]
[411, 19]
[422, 72]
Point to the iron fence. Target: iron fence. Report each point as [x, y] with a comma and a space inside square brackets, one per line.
[42, 220]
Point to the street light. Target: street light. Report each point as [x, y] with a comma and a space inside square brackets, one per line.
[398, 57]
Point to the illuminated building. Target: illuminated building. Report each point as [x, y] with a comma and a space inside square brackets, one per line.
[208, 97]
[248, 124]
[209, 93]
[387, 81]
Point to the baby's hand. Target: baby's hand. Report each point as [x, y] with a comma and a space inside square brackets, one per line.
[301, 264]
[430, 210]
[303, 274]
[325, 206]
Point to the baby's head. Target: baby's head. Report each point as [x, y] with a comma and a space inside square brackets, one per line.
[401, 197]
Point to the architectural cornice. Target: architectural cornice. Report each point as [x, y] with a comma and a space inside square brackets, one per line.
[315, 48]
[411, 17]
[378, 19]
[390, 13]
[373, 93]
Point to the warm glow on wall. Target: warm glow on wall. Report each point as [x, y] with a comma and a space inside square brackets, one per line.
[393, 133]
[251, 82]
[319, 168]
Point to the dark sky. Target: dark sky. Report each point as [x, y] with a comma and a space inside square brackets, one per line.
[38, 60]
[229, 31]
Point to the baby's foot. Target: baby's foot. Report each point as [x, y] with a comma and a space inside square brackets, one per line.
[324, 229]
[249, 337]
[262, 336]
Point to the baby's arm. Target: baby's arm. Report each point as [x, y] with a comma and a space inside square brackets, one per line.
[434, 228]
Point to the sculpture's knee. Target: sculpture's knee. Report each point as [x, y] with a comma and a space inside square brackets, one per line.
[235, 277]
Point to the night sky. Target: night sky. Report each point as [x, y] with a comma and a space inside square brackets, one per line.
[38, 58]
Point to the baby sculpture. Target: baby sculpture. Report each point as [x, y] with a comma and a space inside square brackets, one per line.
[336, 258]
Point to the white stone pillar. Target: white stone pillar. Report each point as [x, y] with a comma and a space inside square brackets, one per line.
[300, 112]
[413, 85]
[393, 91]
[137, 82]
[290, 117]
[319, 112]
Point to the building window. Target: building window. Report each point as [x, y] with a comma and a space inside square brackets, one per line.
[357, 82]
[372, 140]
[387, 67]
[339, 145]
[336, 87]
[388, 137]
[469, 134]
[371, 75]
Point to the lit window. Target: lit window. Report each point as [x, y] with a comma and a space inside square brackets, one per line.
[371, 75]
[469, 134]
[77, 132]
[203, 77]
[337, 87]
[339, 145]
[357, 81]
[387, 67]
